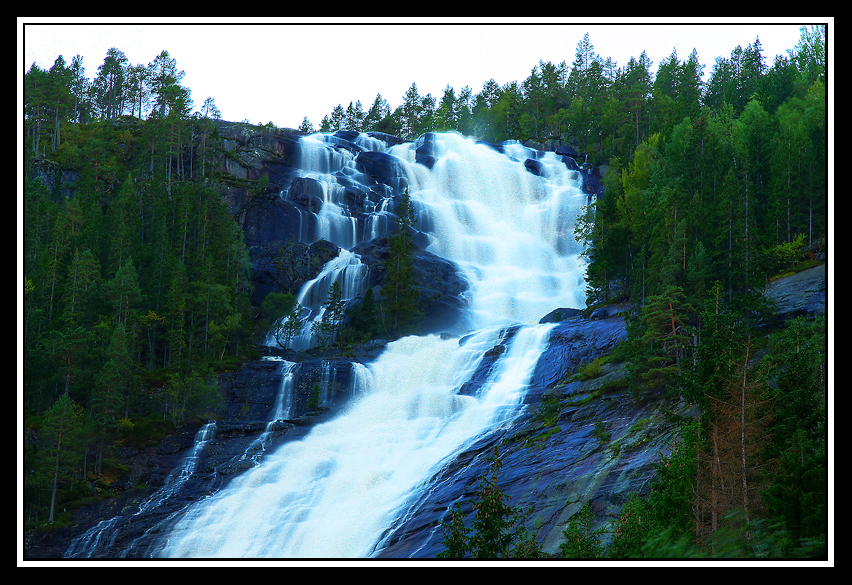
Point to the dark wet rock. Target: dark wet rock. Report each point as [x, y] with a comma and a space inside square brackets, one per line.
[557, 315]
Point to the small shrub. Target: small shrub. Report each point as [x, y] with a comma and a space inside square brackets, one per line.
[314, 398]
[593, 369]
[548, 411]
[600, 432]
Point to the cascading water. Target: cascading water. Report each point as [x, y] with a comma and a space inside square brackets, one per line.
[101, 534]
[336, 492]
[280, 412]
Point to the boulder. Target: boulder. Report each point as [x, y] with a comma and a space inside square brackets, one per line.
[574, 342]
[307, 192]
[592, 183]
[486, 365]
[557, 315]
[338, 141]
[565, 150]
[570, 163]
[534, 166]
[388, 139]
[383, 168]
[425, 153]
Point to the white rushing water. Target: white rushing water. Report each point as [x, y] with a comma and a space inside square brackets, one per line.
[104, 533]
[336, 491]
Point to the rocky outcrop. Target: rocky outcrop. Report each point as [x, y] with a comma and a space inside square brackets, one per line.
[554, 470]
[593, 174]
[286, 267]
[441, 289]
[799, 295]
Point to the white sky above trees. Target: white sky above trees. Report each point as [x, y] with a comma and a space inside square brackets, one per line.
[284, 70]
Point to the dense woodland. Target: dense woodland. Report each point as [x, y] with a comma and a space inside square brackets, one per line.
[136, 281]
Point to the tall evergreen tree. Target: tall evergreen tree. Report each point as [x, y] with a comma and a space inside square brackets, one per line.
[61, 433]
[399, 294]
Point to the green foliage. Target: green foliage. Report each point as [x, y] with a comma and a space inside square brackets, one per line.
[399, 294]
[789, 252]
[548, 410]
[363, 318]
[797, 495]
[62, 432]
[495, 532]
[280, 315]
[137, 275]
[325, 330]
[582, 541]
[672, 493]
[600, 431]
[456, 537]
[631, 530]
[314, 398]
[592, 369]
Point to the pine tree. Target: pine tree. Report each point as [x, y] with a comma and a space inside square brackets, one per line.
[363, 320]
[399, 294]
[306, 126]
[411, 110]
[661, 346]
[797, 369]
[61, 432]
[496, 530]
[124, 291]
[733, 468]
[327, 328]
[581, 540]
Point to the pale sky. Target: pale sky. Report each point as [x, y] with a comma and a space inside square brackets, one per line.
[294, 68]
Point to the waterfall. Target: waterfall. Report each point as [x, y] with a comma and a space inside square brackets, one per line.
[280, 412]
[350, 275]
[103, 533]
[338, 490]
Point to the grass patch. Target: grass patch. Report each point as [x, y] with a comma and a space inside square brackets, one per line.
[585, 399]
[539, 440]
[800, 267]
[639, 425]
[593, 369]
[147, 431]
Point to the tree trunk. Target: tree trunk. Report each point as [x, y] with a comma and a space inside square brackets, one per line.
[55, 477]
[742, 432]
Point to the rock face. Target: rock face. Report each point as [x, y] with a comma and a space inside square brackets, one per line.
[799, 295]
[441, 288]
[285, 268]
[555, 469]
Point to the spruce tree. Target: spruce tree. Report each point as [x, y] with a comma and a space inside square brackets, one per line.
[399, 293]
[581, 540]
[61, 432]
[495, 531]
